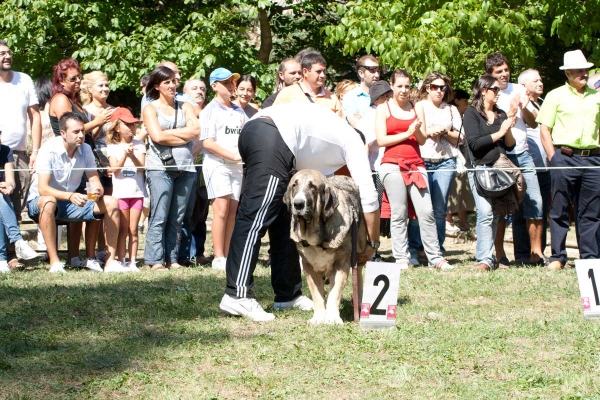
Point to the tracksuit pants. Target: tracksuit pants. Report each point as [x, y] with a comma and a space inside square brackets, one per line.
[269, 165]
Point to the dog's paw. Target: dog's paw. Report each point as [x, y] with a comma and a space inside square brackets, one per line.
[318, 318]
[333, 319]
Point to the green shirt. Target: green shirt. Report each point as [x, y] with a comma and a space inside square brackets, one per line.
[574, 120]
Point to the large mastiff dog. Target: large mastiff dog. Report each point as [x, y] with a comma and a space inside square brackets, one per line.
[322, 213]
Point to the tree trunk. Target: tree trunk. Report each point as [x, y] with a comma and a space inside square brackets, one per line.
[266, 37]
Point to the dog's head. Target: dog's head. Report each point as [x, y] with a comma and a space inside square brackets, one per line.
[308, 196]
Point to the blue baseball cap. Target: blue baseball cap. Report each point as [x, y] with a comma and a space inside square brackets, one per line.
[222, 74]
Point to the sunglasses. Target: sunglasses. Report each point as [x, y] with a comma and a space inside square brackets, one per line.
[74, 78]
[371, 69]
[435, 88]
[494, 89]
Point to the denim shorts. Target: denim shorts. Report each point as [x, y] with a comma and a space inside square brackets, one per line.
[65, 211]
[532, 203]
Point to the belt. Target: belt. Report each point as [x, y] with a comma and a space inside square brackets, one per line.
[569, 151]
[436, 160]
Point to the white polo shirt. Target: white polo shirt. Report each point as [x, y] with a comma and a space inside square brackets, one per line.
[53, 160]
[321, 140]
[519, 131]
[16, 97]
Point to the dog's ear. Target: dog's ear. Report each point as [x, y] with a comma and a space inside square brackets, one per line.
[330, 202]
[287, 197]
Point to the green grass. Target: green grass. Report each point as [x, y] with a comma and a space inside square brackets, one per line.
[461, 334]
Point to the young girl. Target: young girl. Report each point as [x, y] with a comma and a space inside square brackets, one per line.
[7, 213]
[127, 157]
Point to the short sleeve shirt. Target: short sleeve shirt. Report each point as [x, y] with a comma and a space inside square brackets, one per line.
[65, 173]
[6, 156]
[356, 101]
[16, 97]
[224, 125]
[519, 131]
[574, 119]
[128, 183]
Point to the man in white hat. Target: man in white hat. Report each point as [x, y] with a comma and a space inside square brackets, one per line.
[570, 123]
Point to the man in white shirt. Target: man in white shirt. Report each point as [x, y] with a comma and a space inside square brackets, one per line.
[274, 144]
[513, 100]
[61, 164]
[18, 101]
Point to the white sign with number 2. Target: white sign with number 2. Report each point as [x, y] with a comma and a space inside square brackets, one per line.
[380, 295]
[588, 275]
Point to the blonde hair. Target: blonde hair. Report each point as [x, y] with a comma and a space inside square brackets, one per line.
[112, 135]
[86, 84]
[343, 87]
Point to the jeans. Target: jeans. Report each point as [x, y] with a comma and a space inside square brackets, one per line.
[487, 224]
[11, 227]
[440, 182]
[398, 193]
[169, 193]
[185, 255]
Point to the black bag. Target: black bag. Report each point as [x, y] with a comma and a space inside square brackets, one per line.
[490, 182]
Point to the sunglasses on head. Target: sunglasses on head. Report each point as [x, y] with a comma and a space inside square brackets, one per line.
[494, 89]
[435, 88]
[372, 70]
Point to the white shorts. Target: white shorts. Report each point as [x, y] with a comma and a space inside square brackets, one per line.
[223, 180]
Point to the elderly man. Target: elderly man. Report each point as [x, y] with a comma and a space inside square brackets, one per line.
[289, 72]
[513, 100]
[196, 89]
[273, 144]
[18, 106]
[60, 166]
[570, 120]
[357, 102]
[312, 87]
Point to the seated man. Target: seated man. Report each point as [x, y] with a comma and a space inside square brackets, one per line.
[60, 166]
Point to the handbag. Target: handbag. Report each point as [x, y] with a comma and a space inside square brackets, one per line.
[166, 155]
[490, 182]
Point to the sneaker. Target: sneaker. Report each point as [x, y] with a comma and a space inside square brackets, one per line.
[376, 257]
[443, 265]
[219, 263]
[414, 261]
[115, 266]
[132, 266]
[77, 262]
[451, 229]
[4, 267]
[301, 303]
[245, 307]
[101, 256]
[92, 264]
[57, 268]
[24, 251]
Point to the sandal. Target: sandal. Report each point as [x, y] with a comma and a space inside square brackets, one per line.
[443, 265]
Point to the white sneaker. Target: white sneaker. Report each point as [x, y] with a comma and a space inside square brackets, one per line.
[452, 228]
[115, 266]
[57, 268]
[77, 262]
[93, 265]
[4, 267]
[443, 265]
[245, 307]
[219, 263]
[301, 303]
[24, 251]
[132, 267]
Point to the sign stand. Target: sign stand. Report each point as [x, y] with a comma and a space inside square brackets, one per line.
[380, 296]
[588, 275]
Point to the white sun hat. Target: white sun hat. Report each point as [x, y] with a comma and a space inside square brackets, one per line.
[575, 60]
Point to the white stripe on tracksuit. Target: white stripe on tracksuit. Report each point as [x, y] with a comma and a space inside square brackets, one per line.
[252, 237]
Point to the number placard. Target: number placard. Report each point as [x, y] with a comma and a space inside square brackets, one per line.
[380, 296]
[588, 275]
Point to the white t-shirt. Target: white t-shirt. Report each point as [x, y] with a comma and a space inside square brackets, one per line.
[15, 98]
[446, 116]
[66, 173]
[367, 126]
[519, 131]
[224, 125]
[129, 183]
[321, 140]
[534, 141]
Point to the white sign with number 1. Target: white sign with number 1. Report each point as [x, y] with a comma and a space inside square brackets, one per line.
[588, 275]
[380, 296]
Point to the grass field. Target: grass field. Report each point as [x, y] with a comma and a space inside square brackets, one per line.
[513, 334]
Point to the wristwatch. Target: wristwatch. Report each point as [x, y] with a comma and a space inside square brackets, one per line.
[374, 244]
